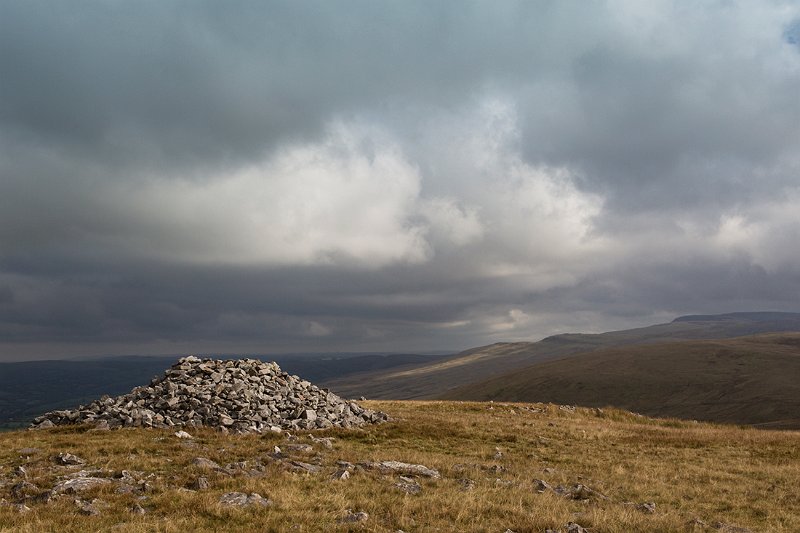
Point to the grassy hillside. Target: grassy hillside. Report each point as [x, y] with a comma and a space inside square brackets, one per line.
[700, 477]
[745, 380]
[431, 380]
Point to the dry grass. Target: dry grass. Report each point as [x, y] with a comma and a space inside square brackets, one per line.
[691, 471]
[743, 380]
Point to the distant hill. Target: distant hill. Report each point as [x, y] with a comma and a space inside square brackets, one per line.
[435, 379]
[744, 380]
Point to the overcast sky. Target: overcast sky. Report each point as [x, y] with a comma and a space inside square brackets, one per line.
[261, 177]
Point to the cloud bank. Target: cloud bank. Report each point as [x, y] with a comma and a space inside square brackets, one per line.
[280, 176]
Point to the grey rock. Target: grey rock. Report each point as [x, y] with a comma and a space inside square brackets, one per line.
[325, 442]
[352, 517]
[408, 485]
[299, 466]
[647, 507]
[241, 499]
[203, 462]
[466, 484]
[92, 508]
[68, 459]
[396, 467]
[341, 475]
[28, 451]
[78, 484]
[200, 483]
[302, 448]
[24, 489]
[582, 492]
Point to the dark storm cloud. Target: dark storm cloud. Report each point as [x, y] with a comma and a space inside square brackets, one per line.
[358, 175]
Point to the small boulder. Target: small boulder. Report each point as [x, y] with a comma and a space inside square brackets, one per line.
[200, 483]
[203, 462]
[79, 484]
[352, 517]
[66, 459]
[241, 499]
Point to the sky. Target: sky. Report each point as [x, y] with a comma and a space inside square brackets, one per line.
[395, 176]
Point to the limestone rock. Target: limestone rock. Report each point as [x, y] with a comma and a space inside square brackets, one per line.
[241, 499]
[203, 462]
[341, 475]
[24, 489]
[647, 507]
[78, 484]
[572, 527]
[466, 484]
[68, 459]
[91, 508]
[408, 485]
[300, 466]
[396, 467]
[200, 483]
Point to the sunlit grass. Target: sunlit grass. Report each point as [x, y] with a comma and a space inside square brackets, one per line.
[691, 471]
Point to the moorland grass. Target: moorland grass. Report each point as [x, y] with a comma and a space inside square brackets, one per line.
[695, 473]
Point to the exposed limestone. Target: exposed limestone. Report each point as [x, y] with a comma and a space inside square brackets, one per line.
[90, 508]
[243, 395]
[341, 475]
[203, 462]
[466, 484]
[66, 459]
[79, 484]
[24, 489]
[300, 466]
[201, 483]
[408, 485]
[396, 467]
[647, 507]
[572, 527]
[240, 499]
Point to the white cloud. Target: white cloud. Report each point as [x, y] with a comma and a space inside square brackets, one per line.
[450, 223]
[349, 199]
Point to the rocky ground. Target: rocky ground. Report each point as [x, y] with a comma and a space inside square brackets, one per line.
[242, 395]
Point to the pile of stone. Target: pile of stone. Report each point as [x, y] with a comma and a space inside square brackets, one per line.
[244, 396]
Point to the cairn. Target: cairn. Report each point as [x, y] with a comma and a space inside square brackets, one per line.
[243, 396]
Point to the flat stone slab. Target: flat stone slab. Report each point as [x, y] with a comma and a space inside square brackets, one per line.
[241, 499]
[406, 469]
[79, 484]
